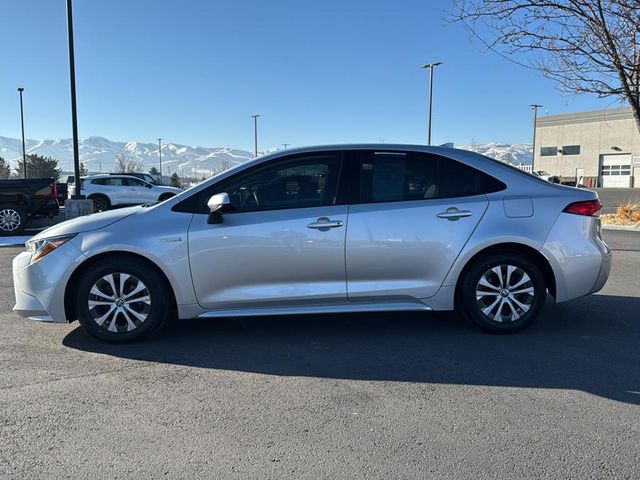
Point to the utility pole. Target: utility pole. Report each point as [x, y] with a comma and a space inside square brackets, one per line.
[285, 145]
[24, 151]
[74, 110]
[430, 66]
[160, 157]
[535, 108]
[255, 134]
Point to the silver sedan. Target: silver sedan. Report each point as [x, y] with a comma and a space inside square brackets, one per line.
[352, 228]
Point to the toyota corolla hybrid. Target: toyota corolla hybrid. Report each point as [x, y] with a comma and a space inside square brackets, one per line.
[353, 228]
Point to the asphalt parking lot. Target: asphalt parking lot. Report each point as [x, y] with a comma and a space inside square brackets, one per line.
[342, 396]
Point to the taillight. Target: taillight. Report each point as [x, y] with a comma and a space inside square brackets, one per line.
[54, 189]
[587, 207]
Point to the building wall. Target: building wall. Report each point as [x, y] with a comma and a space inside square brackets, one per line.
[596, 133]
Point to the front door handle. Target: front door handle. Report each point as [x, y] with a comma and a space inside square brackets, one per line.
[324, 223]
[452, 213]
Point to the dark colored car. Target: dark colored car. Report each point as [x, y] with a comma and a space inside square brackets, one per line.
[23, 199]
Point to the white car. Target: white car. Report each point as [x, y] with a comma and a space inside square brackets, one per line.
[542, 174]
[120, 190]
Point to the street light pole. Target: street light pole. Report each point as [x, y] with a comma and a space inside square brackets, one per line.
[255, 134]
[160, 157]
[535, 108]
[24, 151]
[430, 66]
[74, 110]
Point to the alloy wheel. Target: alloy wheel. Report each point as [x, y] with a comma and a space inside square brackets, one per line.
[119, 302]
[504, 293]
[9, 220]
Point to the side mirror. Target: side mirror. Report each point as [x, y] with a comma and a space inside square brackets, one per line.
[218, 204]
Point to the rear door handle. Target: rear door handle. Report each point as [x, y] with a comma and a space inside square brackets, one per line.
[324, 223]
[453, 213]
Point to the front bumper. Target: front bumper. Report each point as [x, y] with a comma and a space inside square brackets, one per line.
[40, 287]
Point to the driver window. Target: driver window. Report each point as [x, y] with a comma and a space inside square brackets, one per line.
[303, 182]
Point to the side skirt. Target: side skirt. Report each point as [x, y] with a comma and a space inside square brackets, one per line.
[338, 308]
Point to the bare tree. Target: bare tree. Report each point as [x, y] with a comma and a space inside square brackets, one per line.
[124, 165]
[586, 46]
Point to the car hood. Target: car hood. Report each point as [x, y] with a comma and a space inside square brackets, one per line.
[86, 223]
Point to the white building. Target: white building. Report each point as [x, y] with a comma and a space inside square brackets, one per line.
[598, 148]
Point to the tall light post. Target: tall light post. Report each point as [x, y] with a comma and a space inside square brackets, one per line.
[74, 110]
[430, 66]
[160, 157]
[24, 150]
[534, 107]
[255, 134]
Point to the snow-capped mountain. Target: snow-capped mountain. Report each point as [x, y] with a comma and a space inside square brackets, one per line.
[517, 154]
[99, 154]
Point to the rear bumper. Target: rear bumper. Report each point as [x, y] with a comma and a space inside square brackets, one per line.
[605, 269]
[580, 259]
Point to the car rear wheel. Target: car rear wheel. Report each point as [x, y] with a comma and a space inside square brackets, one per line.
[502, 293]
[13, 219]
[121, 300]
[100, 203]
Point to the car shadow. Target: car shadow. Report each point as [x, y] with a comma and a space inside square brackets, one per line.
[590, 344]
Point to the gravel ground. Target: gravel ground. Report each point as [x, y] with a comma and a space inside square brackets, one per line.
[341, 396]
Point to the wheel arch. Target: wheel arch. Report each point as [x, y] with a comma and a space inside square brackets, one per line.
[529, 252]
[69, 307]
[99, 194]
[165, 195]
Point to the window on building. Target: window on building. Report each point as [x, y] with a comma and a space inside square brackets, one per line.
[548, 151]
[571, 150]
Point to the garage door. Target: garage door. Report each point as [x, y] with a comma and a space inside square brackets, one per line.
[615, 171]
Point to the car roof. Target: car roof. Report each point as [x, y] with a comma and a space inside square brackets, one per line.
[110, 175]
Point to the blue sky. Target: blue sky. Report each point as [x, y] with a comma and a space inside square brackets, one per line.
[327, 71]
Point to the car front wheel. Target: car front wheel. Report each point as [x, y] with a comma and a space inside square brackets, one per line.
[121, 299]
[502, 293]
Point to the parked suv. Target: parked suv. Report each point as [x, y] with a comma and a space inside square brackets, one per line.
[119, 190]
[326, 229]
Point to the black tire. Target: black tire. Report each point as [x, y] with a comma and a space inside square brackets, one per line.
[165, 196]
[13, 219]
[101, 203]
[116, 328]
[508, 315]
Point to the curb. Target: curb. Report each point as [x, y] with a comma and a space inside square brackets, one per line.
[621, 228]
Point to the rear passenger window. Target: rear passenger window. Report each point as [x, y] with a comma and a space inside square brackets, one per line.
[403, 176]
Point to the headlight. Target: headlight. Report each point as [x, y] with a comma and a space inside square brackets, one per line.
[40, 247]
